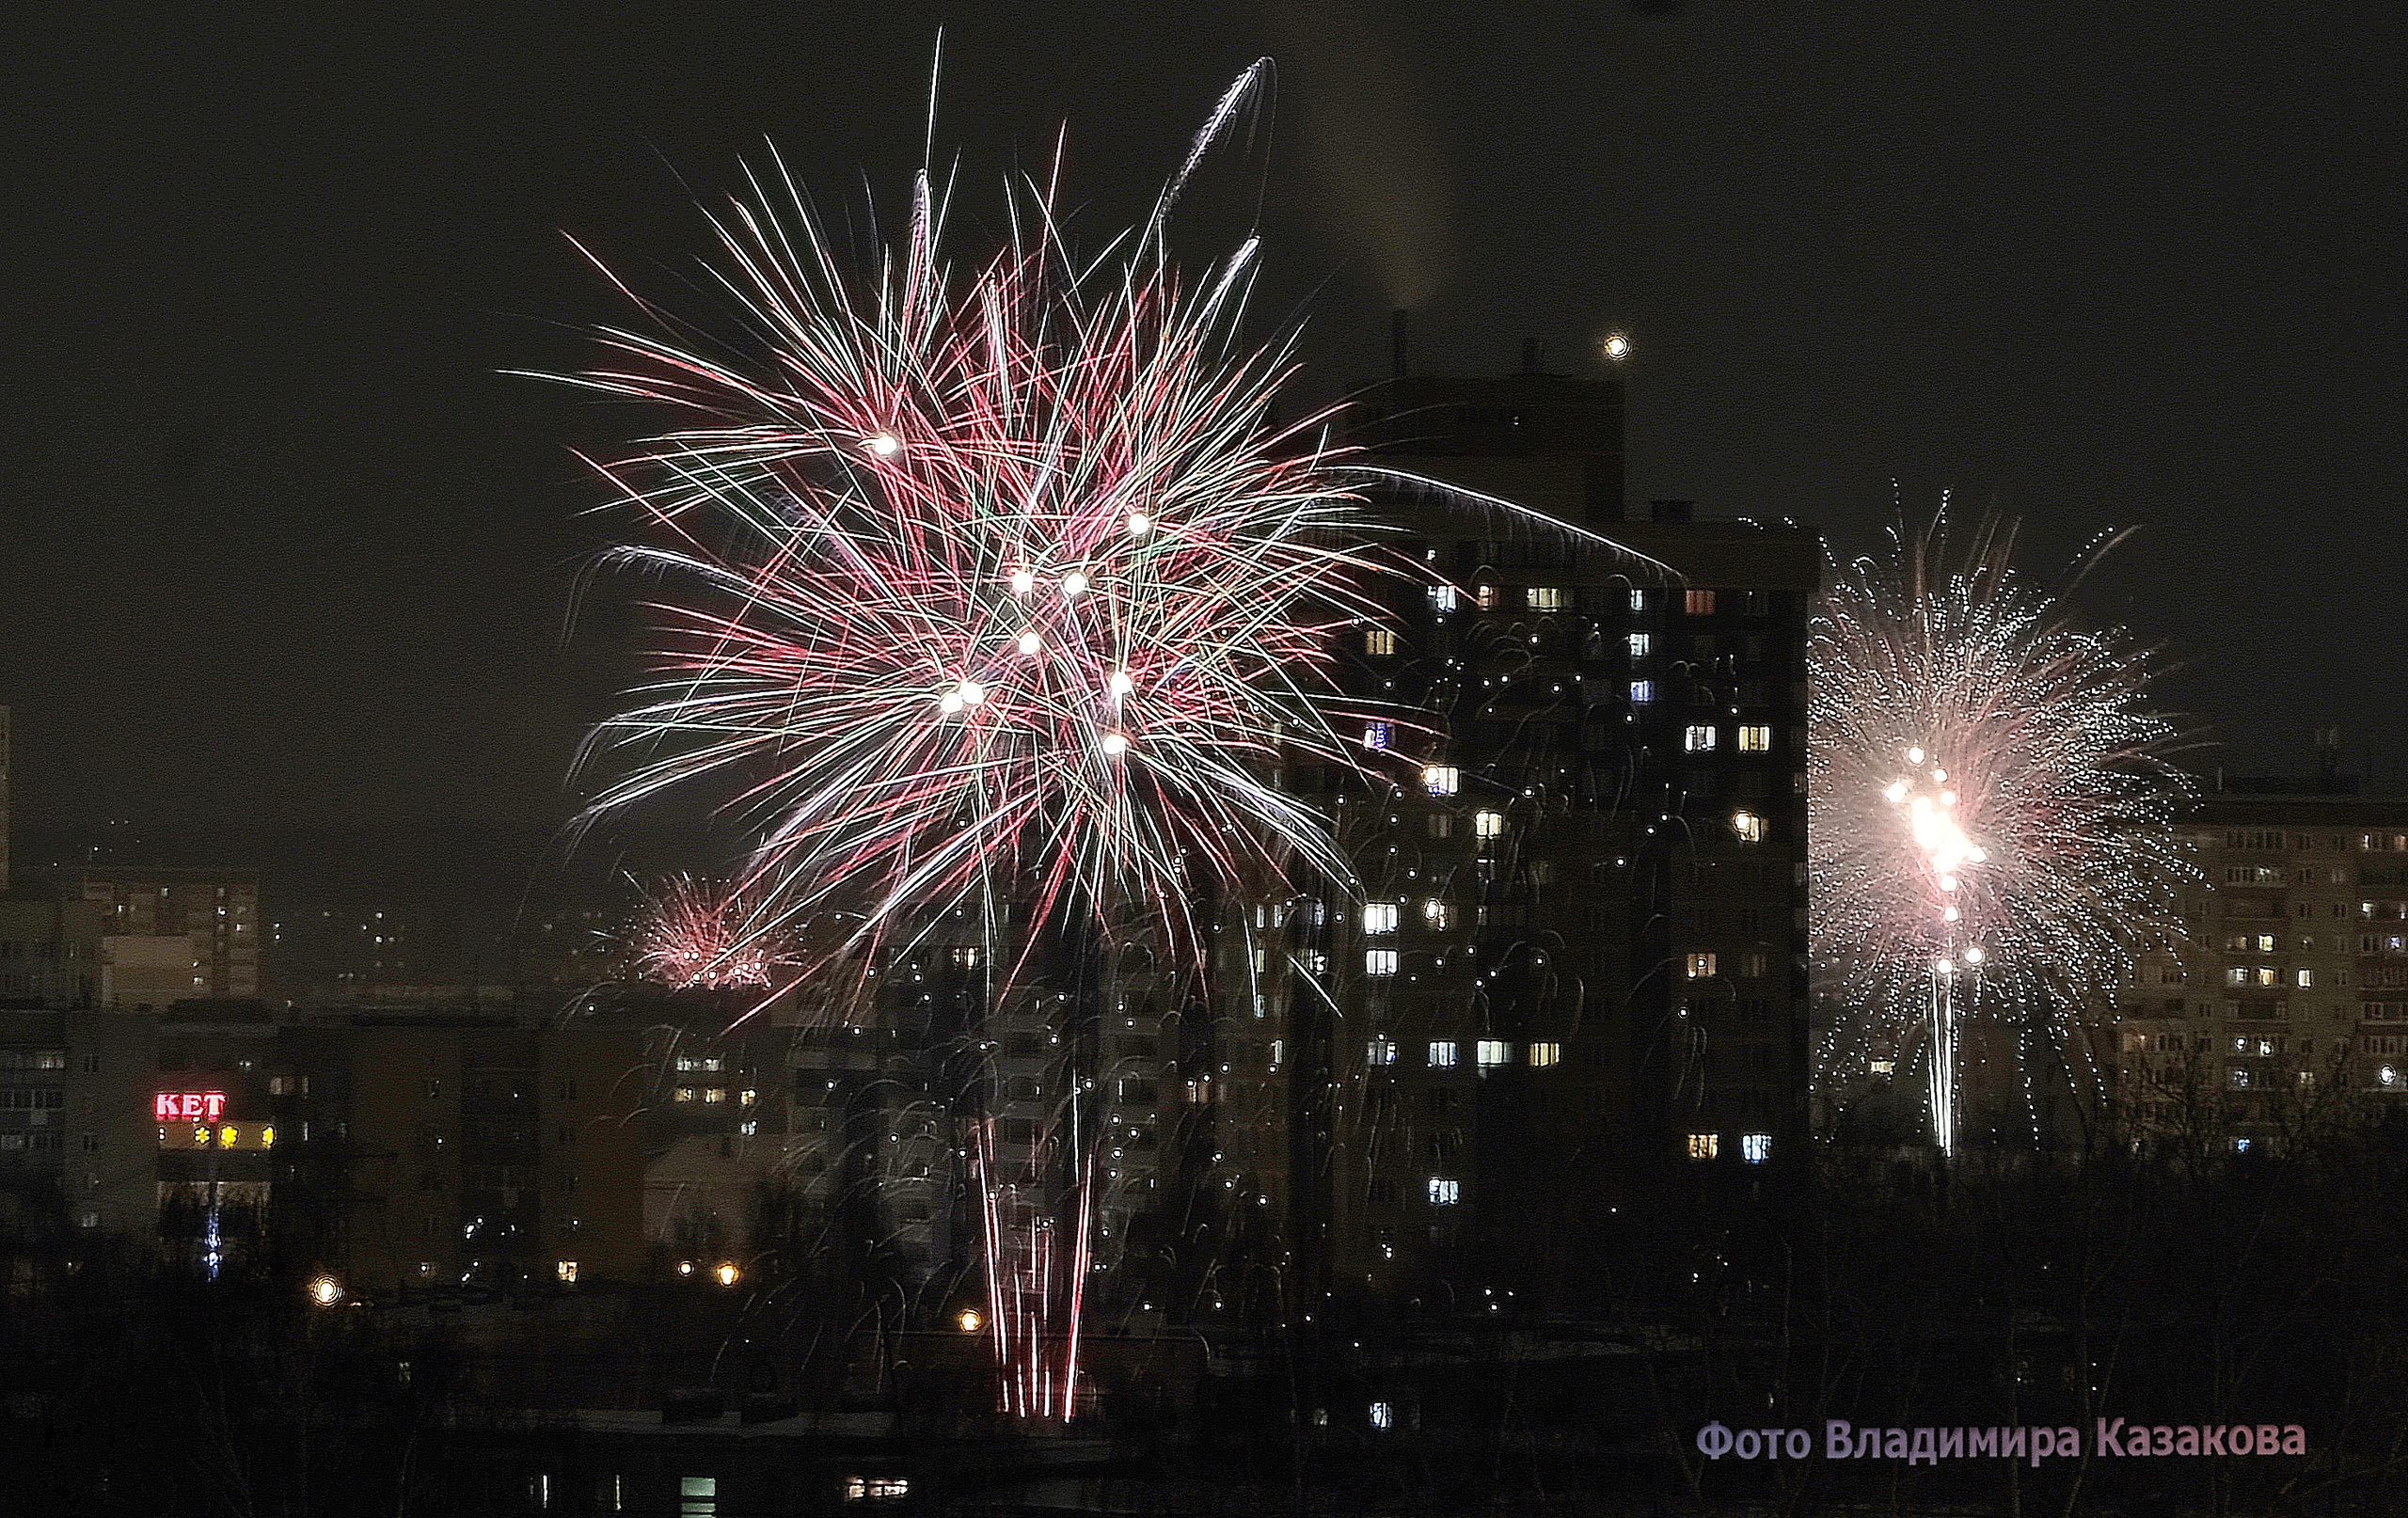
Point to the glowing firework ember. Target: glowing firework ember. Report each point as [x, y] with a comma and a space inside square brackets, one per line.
[1989, 810]
[695, 935]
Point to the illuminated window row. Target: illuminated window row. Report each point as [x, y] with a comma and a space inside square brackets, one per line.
[1754, 1149]
[1487, 1054]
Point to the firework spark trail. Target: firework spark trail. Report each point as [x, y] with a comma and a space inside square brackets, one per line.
[1990, 806]
[693, 935]
[994, 593]
[997, 595]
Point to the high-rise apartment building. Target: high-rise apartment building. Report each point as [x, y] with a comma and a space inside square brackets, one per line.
[2289, 1002]
[1574, 985]
[4, 801]
[217, 912]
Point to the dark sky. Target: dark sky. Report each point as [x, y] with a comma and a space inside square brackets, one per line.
[285, 561]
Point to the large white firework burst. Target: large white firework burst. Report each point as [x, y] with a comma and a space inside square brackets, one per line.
[1991, 806]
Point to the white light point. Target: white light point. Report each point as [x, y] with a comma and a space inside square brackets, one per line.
[885, 445]
[1896, 792]
[1914, 756]
[1023, 583]
[1030, 642]
[1972, 957]
[1115, 745]
[1140, 523]
[1120, 685]
[1943, 966]
[1950, 914]
[1074, 585]
[1617, 346]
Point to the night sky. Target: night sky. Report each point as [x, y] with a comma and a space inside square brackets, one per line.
[286, 561]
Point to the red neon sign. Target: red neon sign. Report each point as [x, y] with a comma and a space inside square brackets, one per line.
[190, 1106]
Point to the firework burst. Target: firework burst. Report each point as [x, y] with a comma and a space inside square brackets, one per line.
[993, 586]
[693, 935]
[1989, 810]
[992, 596]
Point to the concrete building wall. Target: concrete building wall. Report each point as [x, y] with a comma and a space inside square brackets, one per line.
[2289, 1005]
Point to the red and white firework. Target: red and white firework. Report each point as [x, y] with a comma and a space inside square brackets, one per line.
[693, 935]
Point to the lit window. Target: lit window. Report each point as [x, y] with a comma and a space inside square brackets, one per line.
[1704, 1146]
[2304, 978]
[1755, 1148]
[1755, 739]
[2265, 943]
[1486, 596]
[1542, 1055]
[1545, 598]
[1639, 600]
[1379, 916]
[1379, 642]
[714, 1095]
[685, 1093]
[1381, 1051]
[1376, 734]
[1882, 1066]
[1491, 1052]
[1379, 963]
[965, 957]
[703, 1063]
[1641, 692]
[1442, 1054]
[1748, 825]
[697, 1496]
[876, 1488]
[2388, 1075]
[2239, 1078]
[1699, 966]
[1442, 598]
[564, 1272]
[1639, 644]
[1698, 603]
[1488, 824]
[2237, 975]
[1444, 1193]
[1383, 1416]
[1441, 780]
[1700, 739]
[1436, 915]
[747, 1097]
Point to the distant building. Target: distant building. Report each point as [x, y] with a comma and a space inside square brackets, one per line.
[441, 1148]
[76, 1115]
[217, 911]
[2289, 1004]
[51, 954]
[3, 801]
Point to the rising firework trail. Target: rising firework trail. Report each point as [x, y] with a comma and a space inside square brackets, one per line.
[991, 593]
[1989, 814]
